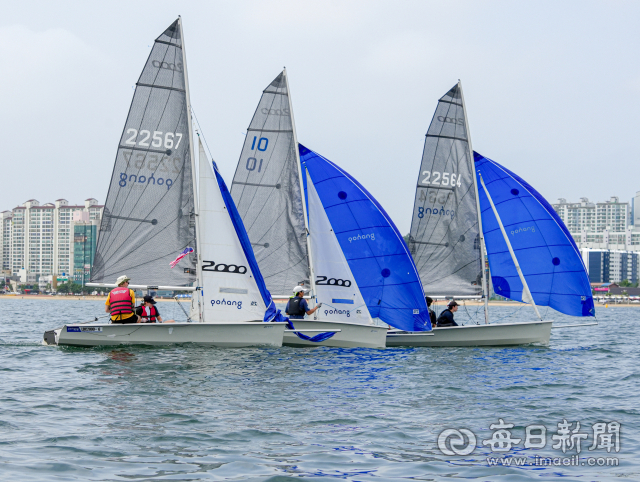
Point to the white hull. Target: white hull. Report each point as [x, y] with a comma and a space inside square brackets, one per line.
[227, 335]
[351, 335]
[476, 335]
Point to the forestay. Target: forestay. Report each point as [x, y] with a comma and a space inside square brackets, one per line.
[148, 217]
[266, 190]
[232, 286]
[546, 252]
[376, 254]
[335, 286]
[444, 237]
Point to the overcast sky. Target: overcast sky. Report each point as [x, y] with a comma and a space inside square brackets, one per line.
[552, 88]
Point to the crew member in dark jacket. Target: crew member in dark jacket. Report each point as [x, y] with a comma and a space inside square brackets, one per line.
[297, 306]
[446, 317]
[432, 314]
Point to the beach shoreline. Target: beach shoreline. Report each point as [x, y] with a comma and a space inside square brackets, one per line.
[438, 303]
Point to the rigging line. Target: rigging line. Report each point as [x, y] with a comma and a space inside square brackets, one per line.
[453, 146]
[264, 123]
[273, 151]
[441, 219]
[123, 131]
[275, 192]
[240, 159]
[202, 132]
[128, 253]
[451, 274]
[451, 249]
[435, 151]
[140, 125]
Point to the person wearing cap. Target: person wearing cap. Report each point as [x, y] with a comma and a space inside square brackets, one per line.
[297, 306]
[148, 312]
[432, 314]
[121, 302]
[446, 317]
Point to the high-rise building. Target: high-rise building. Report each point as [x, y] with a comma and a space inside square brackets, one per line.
[39, 238]
[586, 216]
[5, 242]
[612, 215]
[635, 211]
[85, 233]
[577, 216]
[611, 266]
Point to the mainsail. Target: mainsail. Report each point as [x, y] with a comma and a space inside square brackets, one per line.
[232, 286]
[377, 256]
[444, 238]
[266, 191]
[149, 211]
[546, 252]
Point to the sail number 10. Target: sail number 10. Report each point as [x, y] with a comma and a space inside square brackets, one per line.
[170, 140]
[441, 179]
[261, 144]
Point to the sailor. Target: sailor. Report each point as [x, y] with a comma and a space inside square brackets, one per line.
[148, 313]
[121, 302]
[446, 317]
[297, 306]
[432, 314]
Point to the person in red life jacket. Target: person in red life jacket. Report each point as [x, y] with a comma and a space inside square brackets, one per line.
[148, 313]
[121, 302]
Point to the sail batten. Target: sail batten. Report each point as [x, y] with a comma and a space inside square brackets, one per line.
[444, 237]
[149, 211]
[266, 190]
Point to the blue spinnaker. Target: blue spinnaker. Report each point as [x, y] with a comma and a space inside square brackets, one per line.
[272, 314]
[373, 247]
[547, 254]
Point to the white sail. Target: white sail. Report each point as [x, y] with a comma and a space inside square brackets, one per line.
[336, 287]
[229, 290]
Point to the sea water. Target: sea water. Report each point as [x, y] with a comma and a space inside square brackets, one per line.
[196, 413]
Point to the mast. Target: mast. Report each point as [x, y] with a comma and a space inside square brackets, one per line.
[526, 293]
[485, 293]
[304, 204]
[196, 208]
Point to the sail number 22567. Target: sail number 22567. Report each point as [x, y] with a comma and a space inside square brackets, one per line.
[144, 138]
[440, 179]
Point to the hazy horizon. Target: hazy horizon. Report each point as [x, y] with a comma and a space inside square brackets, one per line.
[539, 81]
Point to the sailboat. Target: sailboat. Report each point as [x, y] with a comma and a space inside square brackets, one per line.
[151, 216]
[299, 224]
[467, 204]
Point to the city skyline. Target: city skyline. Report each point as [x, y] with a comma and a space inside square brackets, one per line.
[365, 79]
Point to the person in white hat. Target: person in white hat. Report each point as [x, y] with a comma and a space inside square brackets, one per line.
[297, 306]
[121, 302]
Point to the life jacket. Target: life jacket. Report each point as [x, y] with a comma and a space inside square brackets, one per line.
[445, 318]
[153, 313]
[294, 307]
[121, 302]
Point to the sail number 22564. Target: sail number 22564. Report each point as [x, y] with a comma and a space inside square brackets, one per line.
[440, 179]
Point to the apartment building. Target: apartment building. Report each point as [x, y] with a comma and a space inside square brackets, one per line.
[39, 239]
[611, 266]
